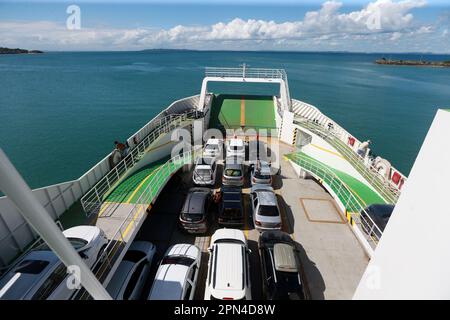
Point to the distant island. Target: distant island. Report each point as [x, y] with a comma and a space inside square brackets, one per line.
[17, 51]
[413, 63]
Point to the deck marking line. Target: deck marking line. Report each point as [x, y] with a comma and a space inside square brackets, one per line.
[243, 111]
[326, 150]
[132, 221]
[140, 186]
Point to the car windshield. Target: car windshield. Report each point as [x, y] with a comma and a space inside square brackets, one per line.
[232, 212]
[192, 217]
[185, 261]
[31, 266]
[269, 211]
[233, 172]
[259, 175]
[203, 172]
[76, 243]
[212, 147]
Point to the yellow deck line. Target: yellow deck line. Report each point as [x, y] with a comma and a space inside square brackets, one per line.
[329, 151]
[242, 112]
[140, 186]
[132, 221]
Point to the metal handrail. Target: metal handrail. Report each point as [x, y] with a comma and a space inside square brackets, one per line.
[346, 195]
[391, 195]
[118, 242]
[93, 199]
[258, 73]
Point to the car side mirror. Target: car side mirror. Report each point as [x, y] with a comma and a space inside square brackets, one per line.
[210, 249]
[249, 251]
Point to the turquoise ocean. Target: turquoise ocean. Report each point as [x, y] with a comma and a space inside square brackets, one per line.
[60, 112]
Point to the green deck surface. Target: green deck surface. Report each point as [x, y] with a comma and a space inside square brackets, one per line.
[127, 187]
[358, 188]
[226, 112]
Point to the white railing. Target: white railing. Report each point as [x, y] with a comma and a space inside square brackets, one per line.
[306, 111]
[372, 176]
[120, 241]
[93, 199]
[353, 204]
[255, 73]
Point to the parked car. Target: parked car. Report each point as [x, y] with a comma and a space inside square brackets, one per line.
[378, 214]
[40, 275]
[236, 148]
[260, 173]
[176, 278]
[281, 269]
[194, 216]
[213, 148]
[228, 276]
[233, 172]
[266, 213]
[131, 275]
[205, 171]
[231, 210]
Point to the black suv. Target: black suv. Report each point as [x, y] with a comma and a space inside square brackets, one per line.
[194, 216]
[280, 266]
[231, 210]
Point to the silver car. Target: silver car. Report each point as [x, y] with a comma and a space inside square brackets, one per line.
[266, 213]
[260, 173]
[233, 172]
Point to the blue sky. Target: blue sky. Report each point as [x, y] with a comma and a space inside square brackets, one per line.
[402, 26]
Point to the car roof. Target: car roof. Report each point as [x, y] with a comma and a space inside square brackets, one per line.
[195, 201]
[284, 258]
[226, 233]
[228, 276]
[119, 280]
[84, 232]
[16, 285]
[169, 281]
[184, 249]
[267, 198]
[236, 142]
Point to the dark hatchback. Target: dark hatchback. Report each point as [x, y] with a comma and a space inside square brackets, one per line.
[280, 267]
[379, 214]
[194, 216]
[231, 209]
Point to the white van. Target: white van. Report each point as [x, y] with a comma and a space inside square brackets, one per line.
[228, 267]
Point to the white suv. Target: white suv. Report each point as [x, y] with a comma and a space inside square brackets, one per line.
[176, 278]
[228, 267]
[205, 171]
[236, 148]
[213, 148]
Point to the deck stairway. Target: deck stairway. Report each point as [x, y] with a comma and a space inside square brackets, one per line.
[381, 185]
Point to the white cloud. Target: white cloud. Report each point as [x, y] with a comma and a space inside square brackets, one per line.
[323, 29]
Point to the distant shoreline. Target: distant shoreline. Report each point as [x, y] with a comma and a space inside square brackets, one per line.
[417, 63]
[4, 50]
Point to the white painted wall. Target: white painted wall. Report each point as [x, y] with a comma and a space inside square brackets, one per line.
[412, 260]
[287, 129]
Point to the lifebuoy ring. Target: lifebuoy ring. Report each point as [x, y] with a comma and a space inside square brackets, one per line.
[383, 167]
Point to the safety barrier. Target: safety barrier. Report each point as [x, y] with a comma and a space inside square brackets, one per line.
[354, 206]
[93, 199]
[384, 188]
